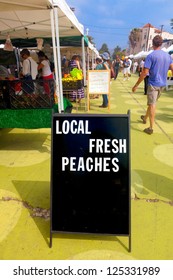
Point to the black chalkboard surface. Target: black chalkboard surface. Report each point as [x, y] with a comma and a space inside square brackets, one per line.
[90, 174]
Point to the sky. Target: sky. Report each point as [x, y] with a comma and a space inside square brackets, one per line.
[111, 21]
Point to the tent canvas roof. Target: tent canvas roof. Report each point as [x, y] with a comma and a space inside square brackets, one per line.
[31, 19]
[74, 41]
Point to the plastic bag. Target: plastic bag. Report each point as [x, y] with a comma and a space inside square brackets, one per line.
[8, 45]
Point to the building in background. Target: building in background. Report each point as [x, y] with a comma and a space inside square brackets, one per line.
[140, 39]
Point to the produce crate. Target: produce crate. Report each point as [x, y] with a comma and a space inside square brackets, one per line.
[38, 99]
[72, 85]
[3, 103]
[4, 94]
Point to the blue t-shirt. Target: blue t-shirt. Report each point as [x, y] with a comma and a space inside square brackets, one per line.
[158, 63]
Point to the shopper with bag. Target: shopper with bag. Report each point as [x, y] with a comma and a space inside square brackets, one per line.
[29, 72]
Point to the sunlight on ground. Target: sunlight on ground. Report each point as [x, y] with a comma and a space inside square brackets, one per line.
[164, 153]
[9, 213]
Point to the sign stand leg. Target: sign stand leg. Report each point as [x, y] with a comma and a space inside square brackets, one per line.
[88, 102]
[50, 244]
[130, 244]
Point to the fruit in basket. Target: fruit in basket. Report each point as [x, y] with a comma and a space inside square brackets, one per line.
[77, 73]
[71, 83]
[66, 75]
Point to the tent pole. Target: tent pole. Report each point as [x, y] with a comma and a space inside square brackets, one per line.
[88, 58]
[92, 59]
[55, 58]
[58, 57]
[83, 60]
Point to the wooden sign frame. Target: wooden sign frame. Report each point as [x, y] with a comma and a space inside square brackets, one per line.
[98, 83]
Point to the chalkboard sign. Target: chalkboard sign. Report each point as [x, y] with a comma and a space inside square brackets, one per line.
[98, 83]
[90, 176]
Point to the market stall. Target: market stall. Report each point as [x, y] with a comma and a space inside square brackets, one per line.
[73, 88]
[40, 19]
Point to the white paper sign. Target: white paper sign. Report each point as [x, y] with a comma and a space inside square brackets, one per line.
[99, 81]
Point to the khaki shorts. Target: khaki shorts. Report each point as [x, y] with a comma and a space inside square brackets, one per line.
[153, 94]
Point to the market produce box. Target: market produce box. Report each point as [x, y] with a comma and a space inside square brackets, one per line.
[4, 94]
[35, 100]
[32, 101]
[72, 85]
[3, 103]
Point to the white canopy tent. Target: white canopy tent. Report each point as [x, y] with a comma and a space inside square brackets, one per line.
[131, 56]
[31, 18]
[138, 55]
[142, 54]
[146, 53]
[169, 49]
[41, 18]
[163, 49]
[94, 54]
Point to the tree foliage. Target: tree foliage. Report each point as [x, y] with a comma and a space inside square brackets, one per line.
[118, 52]
[91, 39]
[171, 23]
[104, 48]
[134, 37]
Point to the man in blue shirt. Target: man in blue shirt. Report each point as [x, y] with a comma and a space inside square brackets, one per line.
[157, 64]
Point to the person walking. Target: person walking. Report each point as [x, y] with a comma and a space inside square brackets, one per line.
[116, 65]
[126, 65]
[146, 77]
[146, 84]
[156, 65]
[141, 66]
[106, 58]
[129, 68]
[135, 66]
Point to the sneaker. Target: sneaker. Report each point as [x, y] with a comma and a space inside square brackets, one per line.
[143, 119]
[148, 130]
